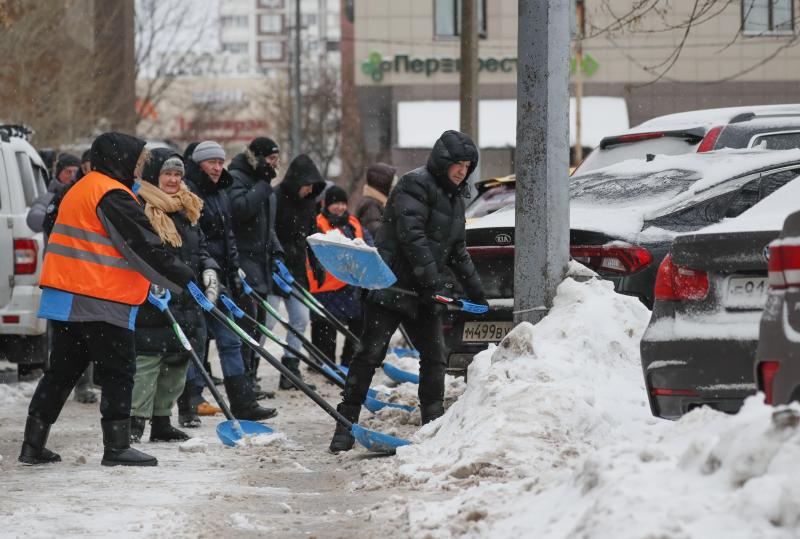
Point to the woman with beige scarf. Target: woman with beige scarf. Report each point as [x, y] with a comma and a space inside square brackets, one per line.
[161, 361]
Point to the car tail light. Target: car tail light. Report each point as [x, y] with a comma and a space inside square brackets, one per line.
[680, 283]
[11, 319]
[766, 378]
[784, 265]
[665, 392]
[620, 259]
[26, 255]
[710, 139]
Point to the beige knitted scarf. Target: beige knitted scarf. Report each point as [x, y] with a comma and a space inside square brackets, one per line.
[158, 206]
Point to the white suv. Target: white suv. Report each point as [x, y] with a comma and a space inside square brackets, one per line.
[23, 336]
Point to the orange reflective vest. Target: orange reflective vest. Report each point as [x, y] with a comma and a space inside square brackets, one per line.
[331, 283]
[80, 257]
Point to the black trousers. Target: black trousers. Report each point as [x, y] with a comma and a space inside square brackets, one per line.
[75, 344]
[379, 325]
[323, 336]
[252, 307]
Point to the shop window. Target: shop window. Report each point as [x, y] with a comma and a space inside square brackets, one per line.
[447, 18]
[767, 17]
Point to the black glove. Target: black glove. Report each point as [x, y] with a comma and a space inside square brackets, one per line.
[237, 289]
[319, 275]
[479, 299]
[427, 294]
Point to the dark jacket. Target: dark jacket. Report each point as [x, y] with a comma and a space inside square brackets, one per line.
[215, 220]
[370, 208]
[296, 217]
[38, 212]
[115, 155]
[254, 209]
[423, 228]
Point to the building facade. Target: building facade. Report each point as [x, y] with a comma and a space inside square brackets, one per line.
[405, 58]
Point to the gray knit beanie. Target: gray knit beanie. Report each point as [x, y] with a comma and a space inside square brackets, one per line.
[173, 163]
[206, 150]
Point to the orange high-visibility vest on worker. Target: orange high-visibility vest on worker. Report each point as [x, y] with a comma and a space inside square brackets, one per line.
[80, 257]
[331, 283]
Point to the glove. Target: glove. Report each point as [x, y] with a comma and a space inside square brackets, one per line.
[211, 284]
[479, 299]
[237, 288]
[319, 275]
[427, 294]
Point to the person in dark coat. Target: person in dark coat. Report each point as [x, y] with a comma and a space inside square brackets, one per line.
[207, 178]
[374, 196]
[422, 235]
[295, 222]
[254, 207]
[101, 257]
[161, 360]
[341, 299]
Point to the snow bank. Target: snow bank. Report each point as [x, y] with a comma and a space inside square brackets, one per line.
[10, 393]
[547, 395]
[335, 236]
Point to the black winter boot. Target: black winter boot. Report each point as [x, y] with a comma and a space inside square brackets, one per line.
[33, 449]
[342, 439]
[243, 402]
[137, 429]
[431, 411]
[259, 393]
[187, 409]
[294, 365]
[118, 450]
[161, 430]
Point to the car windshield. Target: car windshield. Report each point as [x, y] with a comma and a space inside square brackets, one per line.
[491, 200]
[617, 189]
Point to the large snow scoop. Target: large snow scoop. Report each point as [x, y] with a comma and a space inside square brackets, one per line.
[399, 375]
[307, 297]
[371, 440]
[373, 402]
[232, 430]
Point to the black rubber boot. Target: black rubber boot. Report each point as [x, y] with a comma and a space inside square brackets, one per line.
[259, 393]
[137, 429]
[243, 402]
[161, 430]
[294, 365]
[342, 438]
[187, 409]
[118, 450]
[33, 445]
[431, 411]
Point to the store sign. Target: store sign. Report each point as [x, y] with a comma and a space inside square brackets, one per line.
[376, 66]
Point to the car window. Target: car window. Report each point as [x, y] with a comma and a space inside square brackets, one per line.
[600, 158]
[777, 141]
[607, 189]
[27, 177]
[40, 174]
[491, 200]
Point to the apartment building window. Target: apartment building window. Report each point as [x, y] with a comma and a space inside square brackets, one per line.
[447, 18]
[270, 24]
[767, 17]
[271, 50]
[234, 21]
[235, 47]
[270, 3]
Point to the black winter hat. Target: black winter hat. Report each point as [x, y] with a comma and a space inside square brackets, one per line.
[116, 155]
[335, 194]
[66, 160]
[263, 147]
[380, 176]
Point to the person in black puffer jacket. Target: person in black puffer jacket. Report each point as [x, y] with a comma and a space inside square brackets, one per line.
[206, 177]
[296, 220]
[161, 360]
[254, 206]
[422, 235]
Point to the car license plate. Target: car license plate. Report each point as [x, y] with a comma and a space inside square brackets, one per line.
[486, 331]
[746, 292]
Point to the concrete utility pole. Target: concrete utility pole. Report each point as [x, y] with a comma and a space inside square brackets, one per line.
[469, 97]
[578, 78]
[296, 82]
[542, 202]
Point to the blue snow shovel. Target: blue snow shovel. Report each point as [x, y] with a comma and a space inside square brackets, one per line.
[373, 403]
[371, 440]
[398, 375]
[232, 430]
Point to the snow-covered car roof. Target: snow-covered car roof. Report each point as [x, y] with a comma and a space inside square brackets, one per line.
[672, 179]
[711, 117]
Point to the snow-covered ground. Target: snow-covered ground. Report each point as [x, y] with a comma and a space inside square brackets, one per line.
[550, 438]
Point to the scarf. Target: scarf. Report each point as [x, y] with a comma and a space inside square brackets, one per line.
[159, 204]
[370, 191]
[337, 222]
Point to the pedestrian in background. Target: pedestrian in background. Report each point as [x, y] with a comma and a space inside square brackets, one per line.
[369, 211]
[341, 299]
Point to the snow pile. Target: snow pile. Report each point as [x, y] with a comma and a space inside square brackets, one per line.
[193, 445]
[547, 395]
[404, 363]
[11, 393]
[335, 236]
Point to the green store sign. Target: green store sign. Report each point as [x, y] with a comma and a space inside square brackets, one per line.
[377, 65]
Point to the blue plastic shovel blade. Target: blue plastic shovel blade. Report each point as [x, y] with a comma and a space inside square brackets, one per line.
[377, 442]
[355, 265]
[332, 373]
[404, 352]
[344, 369]
[229, 434]
[398, 375]
[373, 405]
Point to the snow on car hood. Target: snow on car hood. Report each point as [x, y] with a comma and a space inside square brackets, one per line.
[625, 216]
